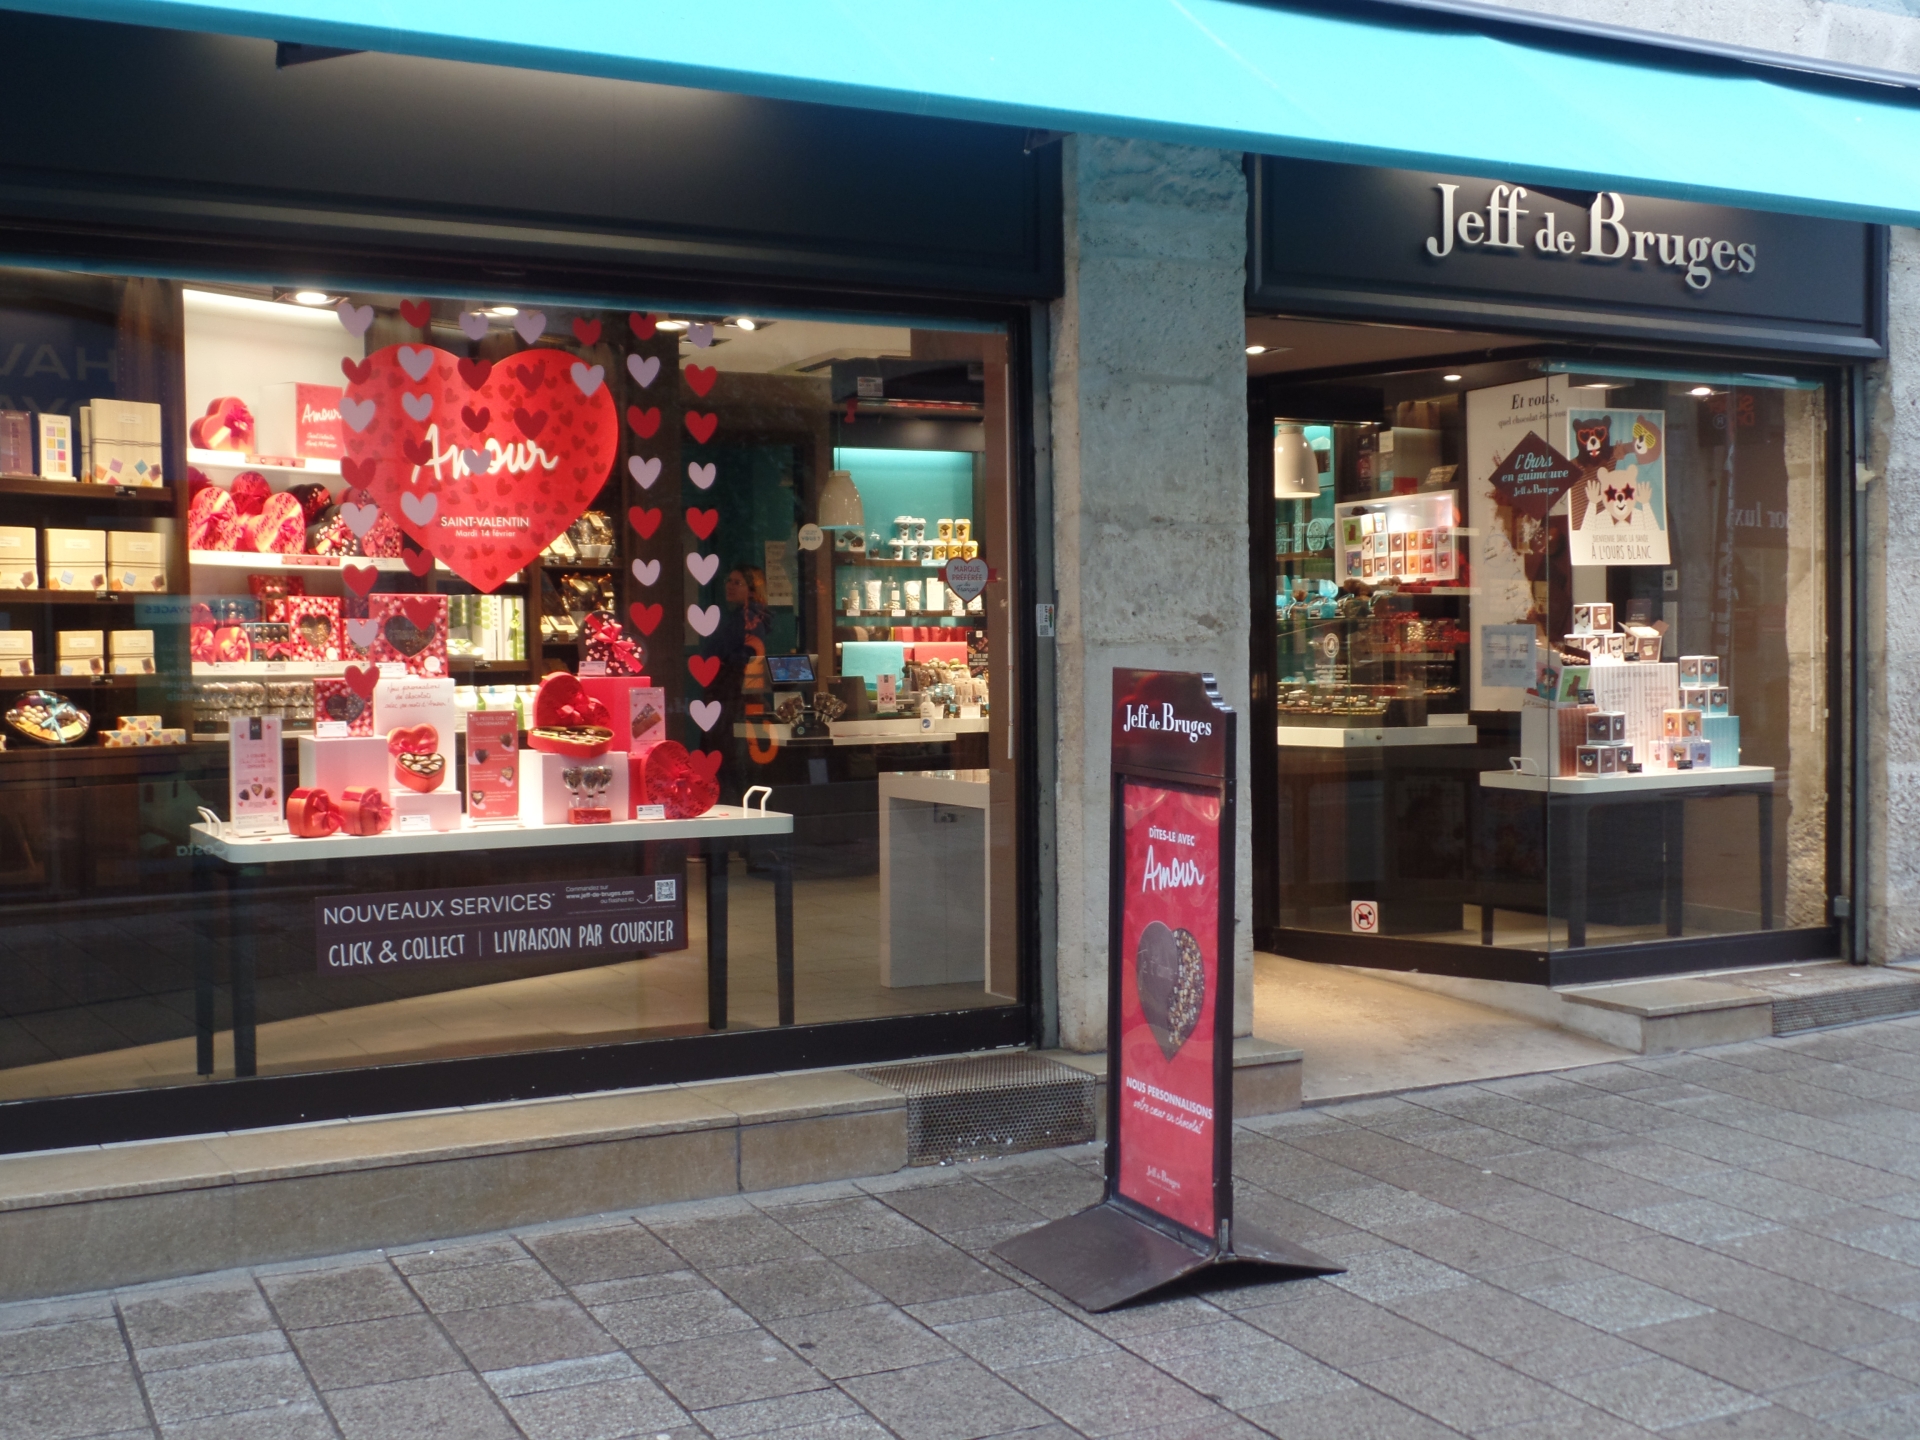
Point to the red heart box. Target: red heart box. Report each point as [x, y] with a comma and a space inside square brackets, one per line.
[486, 525]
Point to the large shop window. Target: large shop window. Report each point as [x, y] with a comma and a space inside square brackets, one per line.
[1552, 661]
[397, 677]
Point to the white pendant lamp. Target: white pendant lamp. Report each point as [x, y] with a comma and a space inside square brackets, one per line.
[1296, 474]
[840, 506]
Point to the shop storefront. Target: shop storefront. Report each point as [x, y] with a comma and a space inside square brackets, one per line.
[1553, 546]
[507, 587]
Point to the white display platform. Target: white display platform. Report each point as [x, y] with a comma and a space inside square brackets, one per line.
[721, 821]
[1650, 782]
[934, 878]
[1381, 737]
[904, 731]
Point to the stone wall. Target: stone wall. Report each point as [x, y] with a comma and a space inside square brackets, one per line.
[1149, 450]
[1883, 34]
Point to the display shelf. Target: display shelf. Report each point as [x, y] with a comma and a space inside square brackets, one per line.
[1652, 782]
[1377, 737]
[81, 597]
[548, 562]
[75, 490]
[858, 615]
[77, 683]
[333, 669]
[877, 562]
[723, 821]
[233, 460]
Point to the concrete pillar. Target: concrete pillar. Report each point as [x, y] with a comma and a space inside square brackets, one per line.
[1149, 421]
[1891, 651]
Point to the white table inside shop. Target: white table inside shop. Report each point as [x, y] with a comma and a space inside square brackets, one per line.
[933, 877]
[1671, 789]
[257, 862]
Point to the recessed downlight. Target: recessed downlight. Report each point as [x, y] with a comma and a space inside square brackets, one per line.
[1453, 379]
[1701, 392]
[1256, 349]
[503, 312]
[670, 325]
[312, 297]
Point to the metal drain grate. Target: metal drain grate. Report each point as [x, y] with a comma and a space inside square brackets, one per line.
[986, 1105]
[1844, 1007]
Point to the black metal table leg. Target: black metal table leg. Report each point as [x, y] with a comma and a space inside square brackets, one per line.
[1674, 871]
[1577, 861]
[241, 947]
[717, 857]
[1486, 923]
[1765, 796]
[783, 929]
[203, 966]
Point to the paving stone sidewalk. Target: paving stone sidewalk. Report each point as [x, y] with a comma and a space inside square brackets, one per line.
[1719, 1244]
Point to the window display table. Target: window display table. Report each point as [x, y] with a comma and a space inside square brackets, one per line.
[1670, 789]
[934, 877]
[254, 862]
[1377, 737]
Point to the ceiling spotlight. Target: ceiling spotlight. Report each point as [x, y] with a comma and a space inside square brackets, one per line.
[503, 312]
[1256, 349]
[312, 297]
[1453, 379]
[1700, 392]
[744, 322]
[670, 325]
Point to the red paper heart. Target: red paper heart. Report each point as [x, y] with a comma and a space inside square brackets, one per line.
[701, 427]
[418, 562]
[700, 378]
[646, 618]
[361, 680]
[416, 313]
[487, 525]
[645, 423]
[357, 473]
[705, 668]
[705, 762]
[645, 521]
[423, 610]
[587, 332]
[641, 325]
[531, 424]
[476, 420]
[360, 578]
[702, 522]
[356, 370]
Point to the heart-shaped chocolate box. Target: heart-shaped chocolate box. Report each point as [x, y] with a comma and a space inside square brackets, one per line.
[1172, 984]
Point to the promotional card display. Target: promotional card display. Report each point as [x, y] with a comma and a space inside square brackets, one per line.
[1398, 539]
[1617, 508]
[1168, 1207]
[493, 766]
[418, 719]
[253, 771]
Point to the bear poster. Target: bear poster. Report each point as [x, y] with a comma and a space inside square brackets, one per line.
[1617, 509]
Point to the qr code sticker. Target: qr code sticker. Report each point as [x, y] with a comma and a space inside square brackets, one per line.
[665, 889]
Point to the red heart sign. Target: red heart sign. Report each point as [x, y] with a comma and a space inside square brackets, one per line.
[356, 472]
[416, 313]
[705, 668]
[705, 762]
[423, 612]
[356, 370]
[641, 325]
[499, 496]
[646, 618]
[701, 427]
[645, 521]
[702, 522]
[645, 423]
[361, 680]
[700, 378]
[360, 578]
[587, 332]
[418, 562]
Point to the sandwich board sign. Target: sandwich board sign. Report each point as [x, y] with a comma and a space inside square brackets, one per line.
[1167, 1210]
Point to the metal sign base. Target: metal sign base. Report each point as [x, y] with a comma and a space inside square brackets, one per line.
[1104, 1257]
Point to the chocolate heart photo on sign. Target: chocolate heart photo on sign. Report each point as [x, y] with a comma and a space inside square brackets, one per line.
[1172, 984]
[499, 495]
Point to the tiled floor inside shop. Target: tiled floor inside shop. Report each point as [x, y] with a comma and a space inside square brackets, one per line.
[837, 977]
[1719, 1244]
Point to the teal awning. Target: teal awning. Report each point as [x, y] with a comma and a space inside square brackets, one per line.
[1375, 89]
